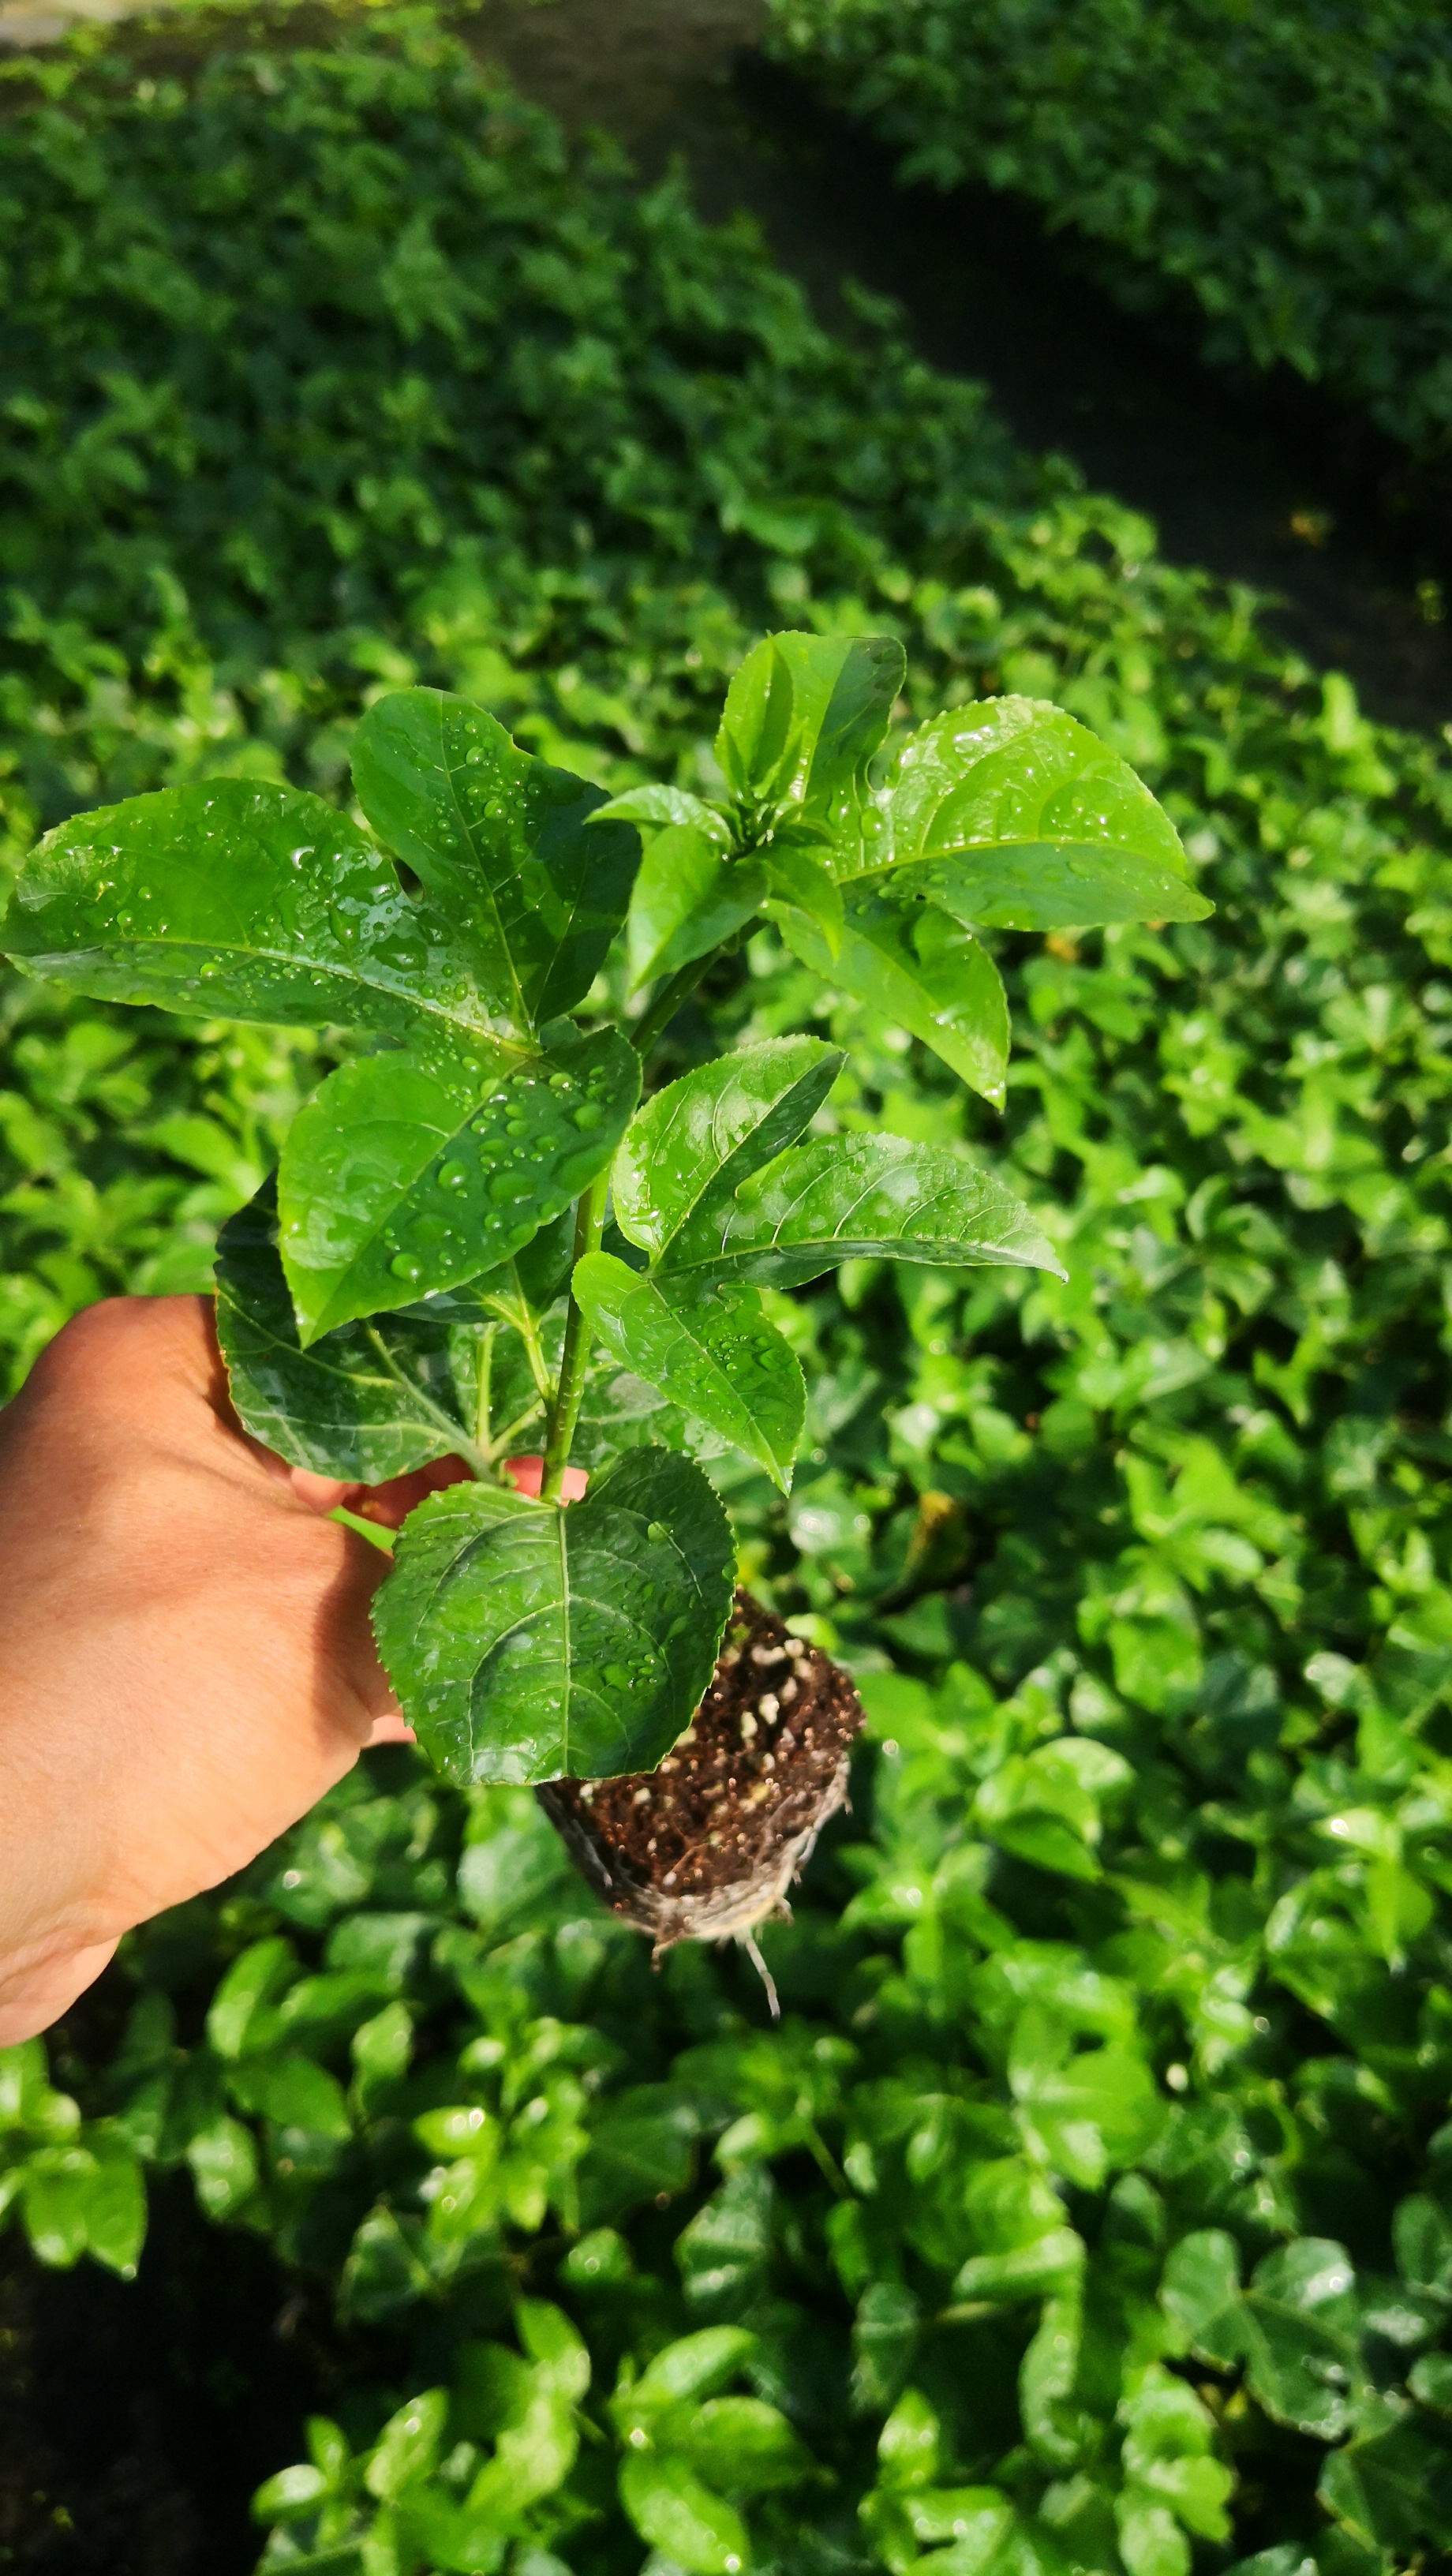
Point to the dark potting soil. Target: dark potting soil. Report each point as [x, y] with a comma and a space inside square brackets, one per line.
[709, 1842]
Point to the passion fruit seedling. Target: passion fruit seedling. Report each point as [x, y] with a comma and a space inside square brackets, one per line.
[426, 1275]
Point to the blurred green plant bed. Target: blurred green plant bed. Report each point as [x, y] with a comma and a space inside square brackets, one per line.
[1287, 167]
[1092, 2207]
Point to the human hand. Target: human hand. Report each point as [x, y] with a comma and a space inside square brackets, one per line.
[186, 1661]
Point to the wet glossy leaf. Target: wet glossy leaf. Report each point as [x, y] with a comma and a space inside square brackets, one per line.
[499, 840]
[803, 716]
[695, 1140]
[223, 2160]
[238, 897]
[408, 2444]
[660, 805]
[740, 2445]
[712, 1352]
[1022, 775]
[679, 2515]
[921, 969]
[418, 1169]
[1044, 886]
[368, 1401]
[687, 898]
[527, 1643]
[848, 1198]
[1295, 2327]
[801, 880]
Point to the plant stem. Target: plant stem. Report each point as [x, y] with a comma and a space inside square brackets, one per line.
[589, 1226]
[565, 1411]
[668, 1001]
[460, 1443]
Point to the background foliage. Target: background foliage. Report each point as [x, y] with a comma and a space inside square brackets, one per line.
[1093, 2205]
[1287, 165]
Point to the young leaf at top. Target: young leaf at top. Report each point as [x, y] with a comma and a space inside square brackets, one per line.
[693, 1141]
[367, 1402]
[920, 968]
[854, 1198]
[658, 805]
[687, 898]
[803, 717]
[418, 1169]
[712, 1352]
[800, 879]
[232, 896]
[1013, 815]
[530, 1643]
[499, 839]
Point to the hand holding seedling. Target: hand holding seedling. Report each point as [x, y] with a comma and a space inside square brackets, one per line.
[488, 1235]
[185, 1657]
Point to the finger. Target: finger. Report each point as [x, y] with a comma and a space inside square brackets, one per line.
[389, 1505]
[31, 2000]
[322, 1493]
[390, 1730]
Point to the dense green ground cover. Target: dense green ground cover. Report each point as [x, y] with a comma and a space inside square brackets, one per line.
[1285, 165]
[1093, 2204]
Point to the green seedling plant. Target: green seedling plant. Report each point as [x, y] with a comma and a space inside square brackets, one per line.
[487, 1235]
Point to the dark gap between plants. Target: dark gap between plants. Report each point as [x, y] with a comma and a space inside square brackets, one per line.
[1261, 479]
[137, 2418]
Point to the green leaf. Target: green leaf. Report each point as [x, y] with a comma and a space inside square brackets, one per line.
[803, 717]
[856, 1198]
[712, 1353]
[1044, 886]
[527, 1643]
[88, 2199]
[556, 2347]
[687, 899]
[366, 1402]
[801, 880]
[295, 2093]
[237, 897]
[660, 805]
[291, 2495]
[920, 968]
[535, 2455]
[694, 2366]
[223, 2160]
[740, 2445]
[242, 2015]
[677, 2514]
[1021, 778]
[642, 2143]
[692, 1144]
[1295, 2328]
[114, 2204]
[418, 1169]
[499, 839]
[408, 2445]
[1395, 2487]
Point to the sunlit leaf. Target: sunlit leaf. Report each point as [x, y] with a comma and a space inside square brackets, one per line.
[712, 1352]
[693, 1142]
[499, 839]
[528, 1643]
[853, 1198]
[418, 1169]
[919, 967]
[239, 897]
